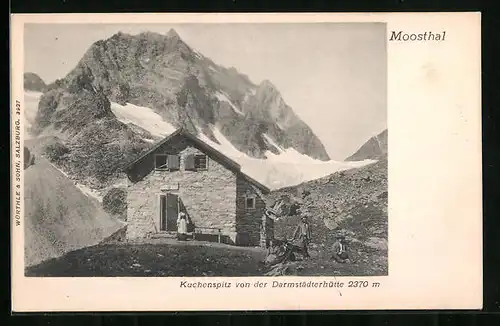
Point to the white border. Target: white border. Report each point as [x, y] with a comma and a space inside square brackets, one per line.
[435, 195]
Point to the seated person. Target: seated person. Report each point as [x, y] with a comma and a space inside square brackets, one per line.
[340, 254]
[276, 252]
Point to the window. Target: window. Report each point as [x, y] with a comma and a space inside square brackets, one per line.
[167, 162]
[250, 202]
[196, 162]
[161, 162]
[200, 162]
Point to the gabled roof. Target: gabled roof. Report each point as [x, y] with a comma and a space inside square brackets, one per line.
[203, 146]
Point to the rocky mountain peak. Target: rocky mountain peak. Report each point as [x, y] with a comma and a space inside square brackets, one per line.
[266, 84]
[267, 87]
[149, 43]
[173, 34]
[374, 149]
[162, 75]
[33, 82]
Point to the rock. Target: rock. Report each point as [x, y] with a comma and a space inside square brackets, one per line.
[283, 269]
[330, 223]
[352, 239]
[273, 259]
[376, 243]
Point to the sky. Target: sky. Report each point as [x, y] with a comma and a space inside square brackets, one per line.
[333, 75]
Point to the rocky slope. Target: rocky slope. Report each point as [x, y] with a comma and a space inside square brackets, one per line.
[374, 149]
[181, 86]
[353, 202]
[88, 142]
[33, 82]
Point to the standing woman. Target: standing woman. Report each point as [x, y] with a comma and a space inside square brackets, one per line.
[181, 227]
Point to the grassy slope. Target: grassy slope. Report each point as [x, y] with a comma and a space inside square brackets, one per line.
[58, 216]
[152, 260]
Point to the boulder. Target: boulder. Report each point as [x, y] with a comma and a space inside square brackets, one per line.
[376, 243]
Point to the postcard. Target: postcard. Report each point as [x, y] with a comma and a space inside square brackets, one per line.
[200, 162]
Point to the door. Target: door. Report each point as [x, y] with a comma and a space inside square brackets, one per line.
[172, 211]
[169, 210]
[163, 213]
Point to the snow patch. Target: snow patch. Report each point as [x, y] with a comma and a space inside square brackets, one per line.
[223, 98]
[120, 184]
[89, 192]
[225, 146]
[31, 100]
[284, 170]
[272, 143]
[292, 155]
[143, 117]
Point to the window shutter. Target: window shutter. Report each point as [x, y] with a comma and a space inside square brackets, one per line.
[173, 162]
[200, 162]
[189, 164]
[157, 221]
[178, 162]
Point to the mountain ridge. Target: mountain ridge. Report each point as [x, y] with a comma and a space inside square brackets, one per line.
[374, 149]
[187, 89]
[180, 85]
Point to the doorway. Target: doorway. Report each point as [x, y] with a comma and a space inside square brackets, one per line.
[169, 210]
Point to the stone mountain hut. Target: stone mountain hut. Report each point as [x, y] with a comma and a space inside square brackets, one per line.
[183, 173]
